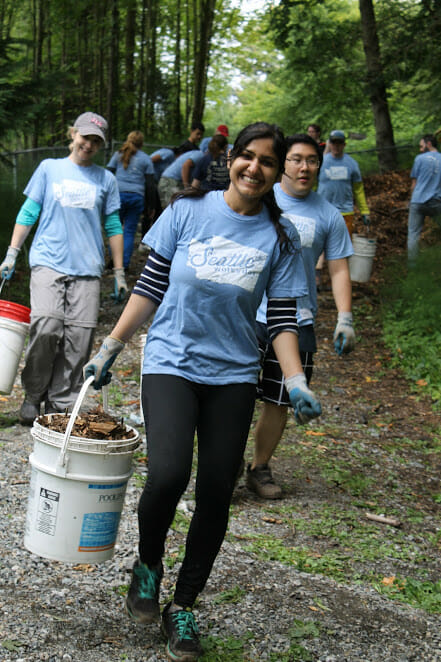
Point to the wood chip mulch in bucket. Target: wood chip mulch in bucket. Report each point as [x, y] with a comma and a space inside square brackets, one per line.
[95, 424]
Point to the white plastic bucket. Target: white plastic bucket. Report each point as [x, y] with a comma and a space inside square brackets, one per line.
[76, 494]
[12, 339]
[360, 263]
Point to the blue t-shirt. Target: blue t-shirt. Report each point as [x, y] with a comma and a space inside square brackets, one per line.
[221, 263]
[174, 169]
[132, 178]
[203, 145]
[74, 200]
[426, 170]
[335, 181]
[321, 227]
[167, 156]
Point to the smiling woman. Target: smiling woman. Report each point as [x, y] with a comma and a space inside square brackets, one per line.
[67, 199]
[212, 257]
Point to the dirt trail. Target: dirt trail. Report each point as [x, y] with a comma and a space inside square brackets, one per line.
[313, 556]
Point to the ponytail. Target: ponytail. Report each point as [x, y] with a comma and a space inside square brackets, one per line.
[134, 142]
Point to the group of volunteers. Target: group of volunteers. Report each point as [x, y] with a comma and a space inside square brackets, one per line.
[230, 282]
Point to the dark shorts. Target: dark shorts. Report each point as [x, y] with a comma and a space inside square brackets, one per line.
[271, 385]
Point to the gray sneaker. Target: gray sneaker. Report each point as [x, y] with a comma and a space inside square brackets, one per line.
[142, 601]
[28, 412]
[260, 481]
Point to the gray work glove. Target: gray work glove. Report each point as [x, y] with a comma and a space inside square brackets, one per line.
[303, 400]
[99, 365]
[344, 336]
[7, 267]
[120, 285]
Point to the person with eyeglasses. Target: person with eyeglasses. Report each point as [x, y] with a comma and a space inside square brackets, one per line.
[321, 228]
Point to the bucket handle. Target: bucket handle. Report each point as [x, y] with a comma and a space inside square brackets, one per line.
[74, 414]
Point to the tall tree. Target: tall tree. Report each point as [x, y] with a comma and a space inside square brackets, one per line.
[128, 114]
[384, 135]
[202, 56]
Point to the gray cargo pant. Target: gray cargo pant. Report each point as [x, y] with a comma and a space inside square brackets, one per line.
[64, 314]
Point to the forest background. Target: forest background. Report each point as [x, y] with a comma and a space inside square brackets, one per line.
[367, 67]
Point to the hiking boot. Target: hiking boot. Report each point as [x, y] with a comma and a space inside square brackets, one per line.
[181, 631]
[142, 601]
[28, 412]
[260, 480]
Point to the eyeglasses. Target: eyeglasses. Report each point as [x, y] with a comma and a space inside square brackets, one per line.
[311, 162]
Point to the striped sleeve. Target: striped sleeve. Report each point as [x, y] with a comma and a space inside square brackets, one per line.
[153, 282]
[281, 315]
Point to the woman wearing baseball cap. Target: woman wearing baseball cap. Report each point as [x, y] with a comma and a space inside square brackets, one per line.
[70, 198]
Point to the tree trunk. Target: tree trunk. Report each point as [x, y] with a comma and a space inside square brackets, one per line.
[387, 153]
[150, 71]
[129, 81]
[202, 56]
[112, 90]
[176, 117]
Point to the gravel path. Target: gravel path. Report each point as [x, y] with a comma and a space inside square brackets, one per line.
[75, 612]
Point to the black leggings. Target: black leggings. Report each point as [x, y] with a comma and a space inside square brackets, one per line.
[174, 409]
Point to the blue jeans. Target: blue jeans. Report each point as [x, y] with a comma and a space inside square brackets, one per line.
[132, 206]
[417, 212]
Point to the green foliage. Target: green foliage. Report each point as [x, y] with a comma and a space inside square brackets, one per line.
[423, 594]
[411, 305]
[231, 596]
[220, 650]
[300, 632]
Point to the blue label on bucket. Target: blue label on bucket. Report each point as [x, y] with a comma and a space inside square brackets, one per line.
[114, 486]
[98, 531]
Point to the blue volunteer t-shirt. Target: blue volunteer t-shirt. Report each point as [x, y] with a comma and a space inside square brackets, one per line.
[132, 178]
[174, 169]
[321, 227]
[427, 171]
[335, 181]
[221, 263]
[167, 156]
[74, 199]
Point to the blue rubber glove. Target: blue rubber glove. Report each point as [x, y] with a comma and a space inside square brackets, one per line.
[120, 285]
[303, 400]
[344, 336]
[99, 365]
[7, 267]
[366, 219]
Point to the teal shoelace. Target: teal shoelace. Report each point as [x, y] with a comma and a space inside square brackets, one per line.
[185, 624]
[147, 582]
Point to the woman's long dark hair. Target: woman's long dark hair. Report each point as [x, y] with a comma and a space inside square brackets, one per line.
[256, 131]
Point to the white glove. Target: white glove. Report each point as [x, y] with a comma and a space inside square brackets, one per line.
[7, 267]
[99, 365]
[303, 400]
[344, 336]
[120, 285]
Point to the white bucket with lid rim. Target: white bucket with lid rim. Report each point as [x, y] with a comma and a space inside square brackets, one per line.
[77, 492]
[14, 327]
[360, 263]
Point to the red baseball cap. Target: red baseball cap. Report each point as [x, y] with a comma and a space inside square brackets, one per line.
[223, 130]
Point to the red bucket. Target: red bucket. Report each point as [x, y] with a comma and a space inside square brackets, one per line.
[15, 311]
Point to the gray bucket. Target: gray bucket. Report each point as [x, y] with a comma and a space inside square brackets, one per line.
[360, 263]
